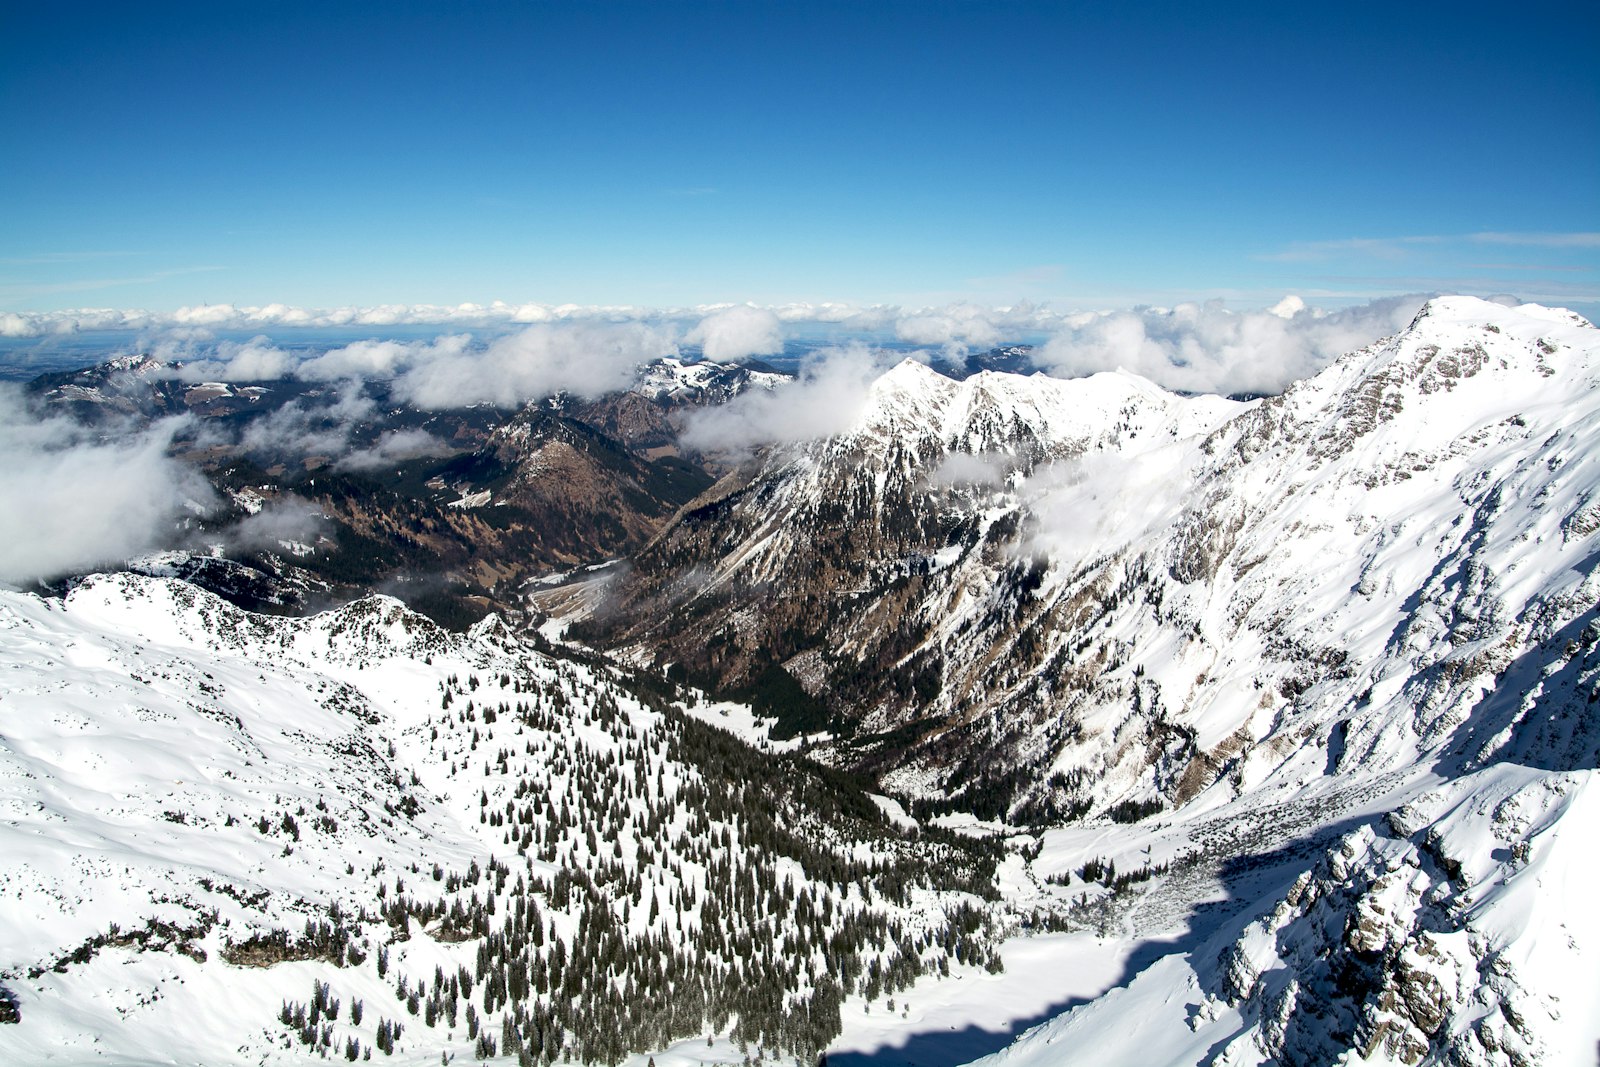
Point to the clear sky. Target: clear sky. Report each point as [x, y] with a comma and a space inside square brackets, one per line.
[665, 153]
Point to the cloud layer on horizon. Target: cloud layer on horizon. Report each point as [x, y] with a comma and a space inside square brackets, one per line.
[1195, 348]
[729, 328]
[1208, 348]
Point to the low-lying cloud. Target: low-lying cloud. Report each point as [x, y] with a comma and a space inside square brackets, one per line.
[393, 448]
[71, 501]
[380, 359]
[306, 428]
[1207, 348]
[255, 360]
[285, 520]
[827, 397]
[1100, 502]
[964, 469]
[586, 360]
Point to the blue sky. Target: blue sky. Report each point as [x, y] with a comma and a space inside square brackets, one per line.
[1087, 155]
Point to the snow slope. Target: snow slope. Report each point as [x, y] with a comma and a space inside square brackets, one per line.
[205, 813]
[1387, 665]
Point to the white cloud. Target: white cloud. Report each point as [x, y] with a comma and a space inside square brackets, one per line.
[737, 333]
[827, 397]
[585, 359]
[1288, 307]
[212, 315]
[467, 316]
[956, 327]
[47, 323]
[361, 359]
[1206, 348]
[15, 325]
[960, 469]
[394, 448]
[1099, 502]
[70, 502]
[255, 360]
[877, 317]
[287, 518]
[305, 428]
[379, 359]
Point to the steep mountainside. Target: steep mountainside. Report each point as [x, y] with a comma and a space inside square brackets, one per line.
[1043, 597]
[1308, 686]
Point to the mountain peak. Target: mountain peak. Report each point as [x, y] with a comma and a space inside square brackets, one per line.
[910, 395]
[1472, 310]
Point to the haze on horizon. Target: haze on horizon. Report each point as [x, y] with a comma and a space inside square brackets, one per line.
[684, 155]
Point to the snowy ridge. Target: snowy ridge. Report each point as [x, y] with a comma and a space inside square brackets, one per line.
[1405, 542]
[672, 381]
[992, 410]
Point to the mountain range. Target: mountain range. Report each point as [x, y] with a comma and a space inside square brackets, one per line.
[1171, 729]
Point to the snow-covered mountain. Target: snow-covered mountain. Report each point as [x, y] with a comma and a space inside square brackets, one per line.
[1329, 657]
[1029, 568]
[674, 382]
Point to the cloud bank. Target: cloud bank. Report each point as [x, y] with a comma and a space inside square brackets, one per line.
[70, 502]
[826, 397]
[588, 351]
[584, 359]
[1207, 348]
[758, 330]
[738, 333]
[962, 326]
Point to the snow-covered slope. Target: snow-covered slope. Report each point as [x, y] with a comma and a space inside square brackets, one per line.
[1315, 676]
[1049, 562]
[205, 813]
[1398, 557]
[673, 382]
